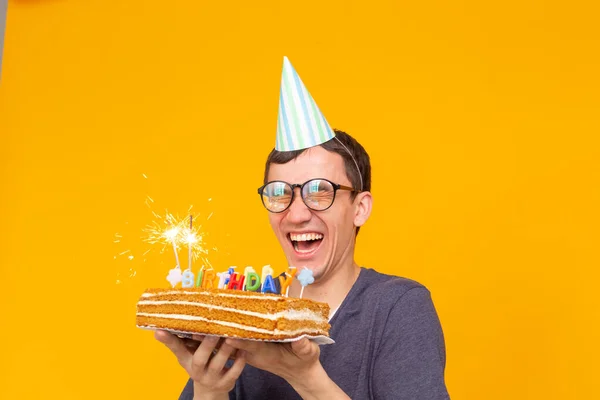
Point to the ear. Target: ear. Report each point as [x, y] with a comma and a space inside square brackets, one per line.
[363, 203]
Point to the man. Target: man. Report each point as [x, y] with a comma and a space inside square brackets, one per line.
[388, 339]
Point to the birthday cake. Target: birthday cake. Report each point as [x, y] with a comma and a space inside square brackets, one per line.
[234, 313]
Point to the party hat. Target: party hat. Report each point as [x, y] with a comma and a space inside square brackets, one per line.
[300, 124]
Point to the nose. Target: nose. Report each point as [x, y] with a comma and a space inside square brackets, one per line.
[298, 212]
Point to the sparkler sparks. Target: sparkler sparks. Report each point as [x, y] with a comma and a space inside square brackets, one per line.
[165, 232]
[193, 238]
[172, 231]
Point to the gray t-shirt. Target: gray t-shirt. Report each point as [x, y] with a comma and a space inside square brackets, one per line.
[388, 345]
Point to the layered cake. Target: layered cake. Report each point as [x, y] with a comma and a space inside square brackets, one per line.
[234, 313]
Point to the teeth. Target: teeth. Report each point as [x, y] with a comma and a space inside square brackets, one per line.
[305, 236]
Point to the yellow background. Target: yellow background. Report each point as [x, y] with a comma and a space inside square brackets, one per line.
[481, 120]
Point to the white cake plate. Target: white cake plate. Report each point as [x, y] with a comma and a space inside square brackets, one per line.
[319, 339]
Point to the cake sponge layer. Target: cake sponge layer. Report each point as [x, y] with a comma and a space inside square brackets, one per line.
[232, 313]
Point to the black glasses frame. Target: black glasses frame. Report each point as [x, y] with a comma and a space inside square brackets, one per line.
[336, 187]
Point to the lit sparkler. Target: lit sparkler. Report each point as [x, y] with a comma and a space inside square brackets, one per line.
[190, 239]
[167, 231]
[193, 238]
[172, 231]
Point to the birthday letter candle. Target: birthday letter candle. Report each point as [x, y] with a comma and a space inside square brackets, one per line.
[231, 271]
[223, 277]
[247, 270]
[236, 281]
[266, 270]
[187, 280]
[208, 280]
[269, 285]
[287, 281]
[252, 282]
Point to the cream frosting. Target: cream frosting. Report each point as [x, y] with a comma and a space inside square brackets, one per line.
[298, 315]
[232, 324]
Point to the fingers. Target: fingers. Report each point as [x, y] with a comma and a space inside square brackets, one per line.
[302, 347]
[176, 346]
[217, 363]
[191, 345]
[206, 365]
[237, 367]
[305, 349]
[203, 353]
[249, 346]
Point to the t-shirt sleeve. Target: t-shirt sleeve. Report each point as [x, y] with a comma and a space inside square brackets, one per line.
[410, 360]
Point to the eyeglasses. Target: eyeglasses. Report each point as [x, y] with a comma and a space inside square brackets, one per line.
[317, 194]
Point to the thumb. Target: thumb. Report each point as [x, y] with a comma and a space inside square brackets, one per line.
[249, 346]
[304, 348]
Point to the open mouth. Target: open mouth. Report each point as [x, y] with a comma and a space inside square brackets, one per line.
[306, 243]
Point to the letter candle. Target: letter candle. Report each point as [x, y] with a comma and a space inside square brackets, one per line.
[222, 277]
[236, 281]
[208, 280]
[252, 282]
[247, 270]
[187, 279]
[287, 281]
[269, 285]
[200, 277]
[231, 271]
[266, 270]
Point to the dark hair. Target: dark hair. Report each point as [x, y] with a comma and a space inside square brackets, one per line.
[334, 146]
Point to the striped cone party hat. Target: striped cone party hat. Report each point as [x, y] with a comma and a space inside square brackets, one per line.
[300, 124]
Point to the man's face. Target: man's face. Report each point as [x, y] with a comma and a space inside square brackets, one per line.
[318, 240]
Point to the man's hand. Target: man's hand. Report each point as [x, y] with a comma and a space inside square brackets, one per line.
[296, 362]
[287, 360]
[204, 365]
